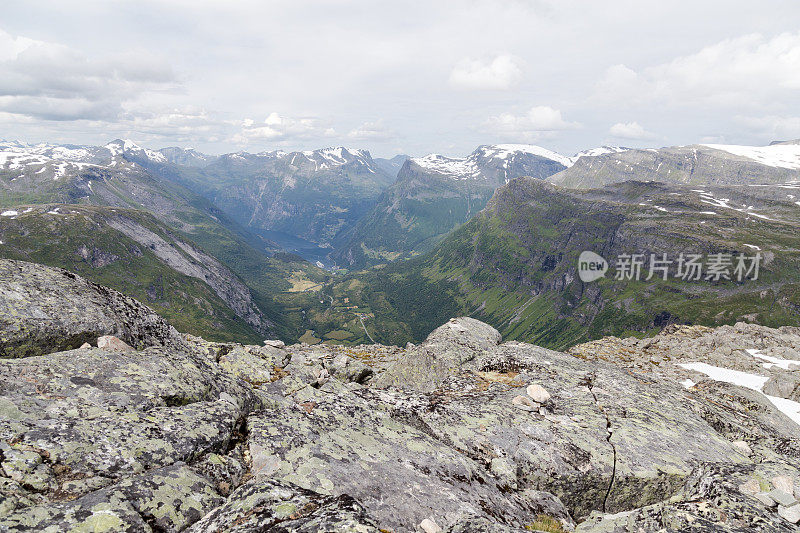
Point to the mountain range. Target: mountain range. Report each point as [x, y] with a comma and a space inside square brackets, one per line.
[433, 195]
[495, 235]
[701, 164]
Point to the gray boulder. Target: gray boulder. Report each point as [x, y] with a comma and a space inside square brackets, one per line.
[448, 349]
[45, 310]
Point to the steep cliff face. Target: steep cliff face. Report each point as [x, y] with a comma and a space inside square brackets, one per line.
[138, 255]
[314, 195]
[180, 434]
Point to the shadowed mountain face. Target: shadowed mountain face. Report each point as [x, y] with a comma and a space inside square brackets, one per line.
[392, 165]
[312, 195]
[433, 195]
[187, 157]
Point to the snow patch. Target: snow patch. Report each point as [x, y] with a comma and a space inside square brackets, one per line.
[461, 169]
[707, 198]
[751, 381]
[772, 361]
[594, 152]
[777, 155]
[506, 151]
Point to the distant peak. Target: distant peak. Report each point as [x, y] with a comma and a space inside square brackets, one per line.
[339, 151]
[600, 150]
[123, 146]
[503, 151]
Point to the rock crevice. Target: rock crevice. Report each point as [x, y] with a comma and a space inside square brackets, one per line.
[590, 386]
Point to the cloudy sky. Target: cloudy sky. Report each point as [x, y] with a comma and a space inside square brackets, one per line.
[402, 76]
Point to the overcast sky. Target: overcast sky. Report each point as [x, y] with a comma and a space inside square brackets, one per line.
[400, 76]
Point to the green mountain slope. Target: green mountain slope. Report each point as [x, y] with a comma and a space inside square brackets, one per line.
[114, 178]
[133, 252]
[515, 264]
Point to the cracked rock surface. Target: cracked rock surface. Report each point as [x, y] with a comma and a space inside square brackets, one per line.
[180, 434]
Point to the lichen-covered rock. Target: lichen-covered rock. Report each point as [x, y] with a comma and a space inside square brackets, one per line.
[227, 471]
[254, 364]
[708, 502]
[90, 425]
[92, 412]
[482, 525]
[613, 442]
[165, 499]
[26, 467]
[270, 505]
[175, 433]
[351, 442]
[348, 368]
[448, 349]
[783, 385]
[45, 310]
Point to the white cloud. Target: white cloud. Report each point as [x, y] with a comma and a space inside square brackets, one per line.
[402, 62]
[502, 73]
[630, 130]
[772, 127]
[750, 71]
[280, 128]
[530, 125]
[371, 131]
[50, 81]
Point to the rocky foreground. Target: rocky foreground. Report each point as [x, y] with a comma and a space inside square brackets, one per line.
[110, 420]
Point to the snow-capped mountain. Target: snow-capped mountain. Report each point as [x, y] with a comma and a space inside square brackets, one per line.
[594, 152]
[496, 163]
[697, 164]
[132, 151]
[60, 160]
[51, 160]
[328, 158]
